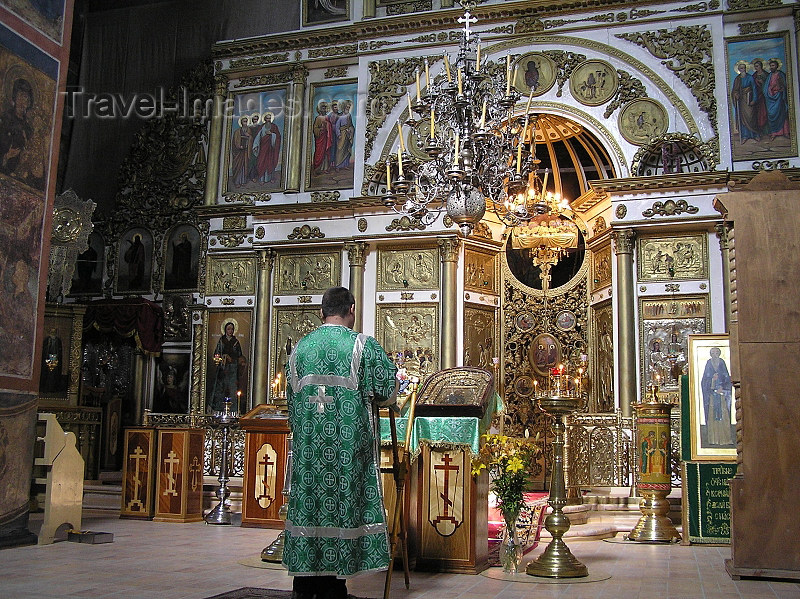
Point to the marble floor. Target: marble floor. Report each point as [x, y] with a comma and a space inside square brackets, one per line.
[157, 560]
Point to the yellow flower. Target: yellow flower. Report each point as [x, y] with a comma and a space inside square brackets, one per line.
[514, 464]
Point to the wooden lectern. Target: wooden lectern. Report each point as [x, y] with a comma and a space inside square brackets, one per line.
[179, 488]
[265, 449]
[138, 474]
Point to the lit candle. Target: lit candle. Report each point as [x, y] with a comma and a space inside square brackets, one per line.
[544, 183]
[238, 399]
[455, 154]
[400, 135]
[400, 161]
[388, 176]
[478, 59]
[535, 387]
[483, 114]
[409, 104]
[460, 82]
[508, 74]
[418, 96]
[447, 69]
[433, 130]
[427, 74]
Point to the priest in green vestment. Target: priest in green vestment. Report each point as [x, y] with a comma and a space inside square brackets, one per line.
[336, 523]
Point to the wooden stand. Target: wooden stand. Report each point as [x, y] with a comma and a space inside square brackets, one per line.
[450, 515]
[138, 474]
[179, 495]
[265, 452]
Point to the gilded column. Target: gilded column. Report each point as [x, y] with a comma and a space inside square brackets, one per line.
[357, 255]
[215, 140]
[295, 118]
[448, 253]
[266, 260]
[447, 3]
[722, 233]
[624, 241]
[369, 9]
[198, 355]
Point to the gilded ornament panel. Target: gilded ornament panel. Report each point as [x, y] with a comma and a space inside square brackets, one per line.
[480, 271]
[593, 82]
[678, 257]
[307, 272]
[601, 268]
[666, 325]
[479, 336]
[411, 330]
[231, 275]
[408, 269]
[289, 324]
[602, 370]
[642, 120]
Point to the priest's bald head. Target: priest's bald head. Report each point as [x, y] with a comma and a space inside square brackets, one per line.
[338, 307]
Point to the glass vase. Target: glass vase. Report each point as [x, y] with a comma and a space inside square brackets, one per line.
[510, 546]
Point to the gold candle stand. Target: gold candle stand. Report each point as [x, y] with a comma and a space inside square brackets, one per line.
[557, 561]
[653, 442]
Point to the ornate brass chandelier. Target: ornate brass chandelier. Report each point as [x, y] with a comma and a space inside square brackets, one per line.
[480, 148]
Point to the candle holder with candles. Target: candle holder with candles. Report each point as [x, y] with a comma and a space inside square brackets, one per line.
[224, 420]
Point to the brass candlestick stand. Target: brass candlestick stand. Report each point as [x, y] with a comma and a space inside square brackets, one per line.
[557, 560]
[273, 552]
[655, 482]
[225, 420]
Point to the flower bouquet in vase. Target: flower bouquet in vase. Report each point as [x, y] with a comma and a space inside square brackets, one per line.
[507, 459]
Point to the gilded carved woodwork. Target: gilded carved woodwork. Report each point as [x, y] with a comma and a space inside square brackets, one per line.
[480, 271]
[752, 4]
[413, 6]
[678, 257]
[407, 269]
[231, 275]
[229, 240]
[449, 248]
[325, 196]
[297, 73]
[234, 222]
[406, 223]
[335, 72]
[344, 50]
[688, 52]
[247, 198]
[685, 153]
[306, 232]
[258, 61]
[388, 82]
[410, 329]
[72, 225]
[670, 208]
[307, 272]
[623, 239]
[480, 337]
[163, 176]
[357, 253]
[756, 27]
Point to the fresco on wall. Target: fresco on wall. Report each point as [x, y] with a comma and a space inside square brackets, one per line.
[28, 96]
[45, 15]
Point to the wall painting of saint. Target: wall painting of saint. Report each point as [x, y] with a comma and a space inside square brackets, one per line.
[762, 120]
[27, 104]
[332, 134]
[256, 142]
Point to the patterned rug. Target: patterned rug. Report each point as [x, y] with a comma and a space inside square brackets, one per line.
[255, 593]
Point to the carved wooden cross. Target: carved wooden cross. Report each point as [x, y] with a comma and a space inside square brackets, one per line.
[321, 399]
